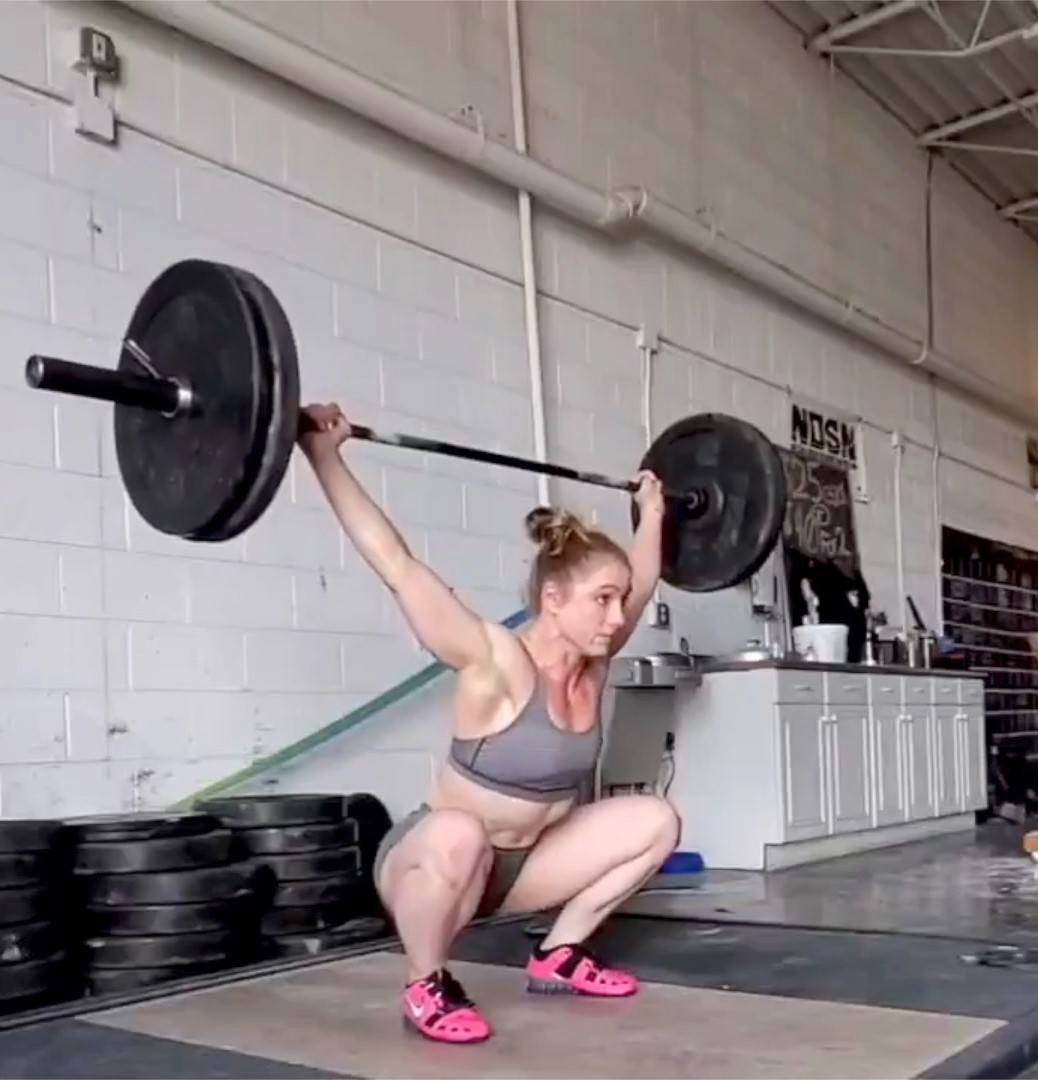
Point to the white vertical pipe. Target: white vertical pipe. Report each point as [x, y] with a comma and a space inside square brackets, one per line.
[533, 330]
[899, 452]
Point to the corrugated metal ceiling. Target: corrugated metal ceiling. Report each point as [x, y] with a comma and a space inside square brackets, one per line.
[961, 74]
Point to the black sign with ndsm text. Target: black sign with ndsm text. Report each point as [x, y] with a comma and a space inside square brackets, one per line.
[832, 435]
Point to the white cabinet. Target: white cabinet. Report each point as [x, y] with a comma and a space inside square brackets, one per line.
[825, 770]
[887, 765]
[847, 771]
[946, 758]
[803, 771]
[776, 764]
[972, 764]
[915, 762]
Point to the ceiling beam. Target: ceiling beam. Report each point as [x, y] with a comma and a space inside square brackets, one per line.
[978, 119]
[824, 41]
[1014, 209]
[1023, 33]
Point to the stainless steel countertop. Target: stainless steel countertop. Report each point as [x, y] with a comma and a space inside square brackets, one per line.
[795, 664]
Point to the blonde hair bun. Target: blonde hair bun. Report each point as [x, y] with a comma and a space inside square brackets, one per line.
[552, 528]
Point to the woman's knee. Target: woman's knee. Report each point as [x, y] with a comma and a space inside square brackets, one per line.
[455, 843]
[662, 823]
[448, 845]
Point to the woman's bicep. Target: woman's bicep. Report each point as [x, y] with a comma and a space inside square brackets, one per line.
[442, 623]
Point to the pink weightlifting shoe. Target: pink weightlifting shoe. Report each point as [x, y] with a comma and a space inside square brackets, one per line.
[572, 969]
[439, 1009]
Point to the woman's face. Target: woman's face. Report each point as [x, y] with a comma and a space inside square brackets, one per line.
[587, 609]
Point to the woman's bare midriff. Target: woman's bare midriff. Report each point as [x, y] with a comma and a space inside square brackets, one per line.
[510, 822]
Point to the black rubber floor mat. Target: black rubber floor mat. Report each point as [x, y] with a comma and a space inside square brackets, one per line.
[104, 828]
[297, 839]
[261, 811]
[316, 864]
[20, 835]
[174, 887]
[30, 941]
[152, 919]
[33, 977]
[25, 905]
[167, 950]
[151, 856]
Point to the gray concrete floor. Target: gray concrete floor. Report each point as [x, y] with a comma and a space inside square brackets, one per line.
[976, 885]
[890, 930]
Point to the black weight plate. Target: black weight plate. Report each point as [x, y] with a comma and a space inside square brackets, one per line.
[299, 920]
[316, 864]
[166, 950]
[329, 890]
[728, 543]
[278, 357]
[149, 856]
[372, 819]
[147, 920]
[310, 866]
[25, 905]
[269, 395]
[259, 811]
[30, 941]
[348, 933]
[173, 887]
[290, 839]
[126, 980]
[186, 475]
[33, 977]
[117, 827]
[28, 835]
[28, 868]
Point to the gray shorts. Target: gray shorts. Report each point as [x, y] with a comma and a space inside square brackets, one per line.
[508, 862]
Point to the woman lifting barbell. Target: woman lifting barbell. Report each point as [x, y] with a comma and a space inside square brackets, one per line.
[502, 830]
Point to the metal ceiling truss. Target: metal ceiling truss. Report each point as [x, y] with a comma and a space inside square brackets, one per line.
[963, 74]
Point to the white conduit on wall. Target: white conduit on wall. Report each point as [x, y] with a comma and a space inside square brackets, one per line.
[236, 34]
[533, 329]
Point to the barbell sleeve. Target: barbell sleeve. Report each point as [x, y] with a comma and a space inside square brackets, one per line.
[166, 396]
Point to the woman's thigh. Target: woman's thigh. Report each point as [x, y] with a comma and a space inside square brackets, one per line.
[594, 839]
[452, 841]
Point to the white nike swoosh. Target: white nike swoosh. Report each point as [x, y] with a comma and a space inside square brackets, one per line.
[416, 1010]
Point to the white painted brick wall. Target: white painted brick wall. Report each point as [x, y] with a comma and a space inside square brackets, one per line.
[135, 667]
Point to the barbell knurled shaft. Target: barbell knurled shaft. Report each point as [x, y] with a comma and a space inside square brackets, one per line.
[491, 457]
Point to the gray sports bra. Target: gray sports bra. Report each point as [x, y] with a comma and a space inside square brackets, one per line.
[532, 758]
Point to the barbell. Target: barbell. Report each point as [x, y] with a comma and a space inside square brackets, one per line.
[207, 410]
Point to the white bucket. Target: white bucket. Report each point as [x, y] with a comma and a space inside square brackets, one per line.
[824, 642]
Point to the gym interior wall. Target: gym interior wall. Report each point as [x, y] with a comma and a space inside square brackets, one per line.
[136, 667]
